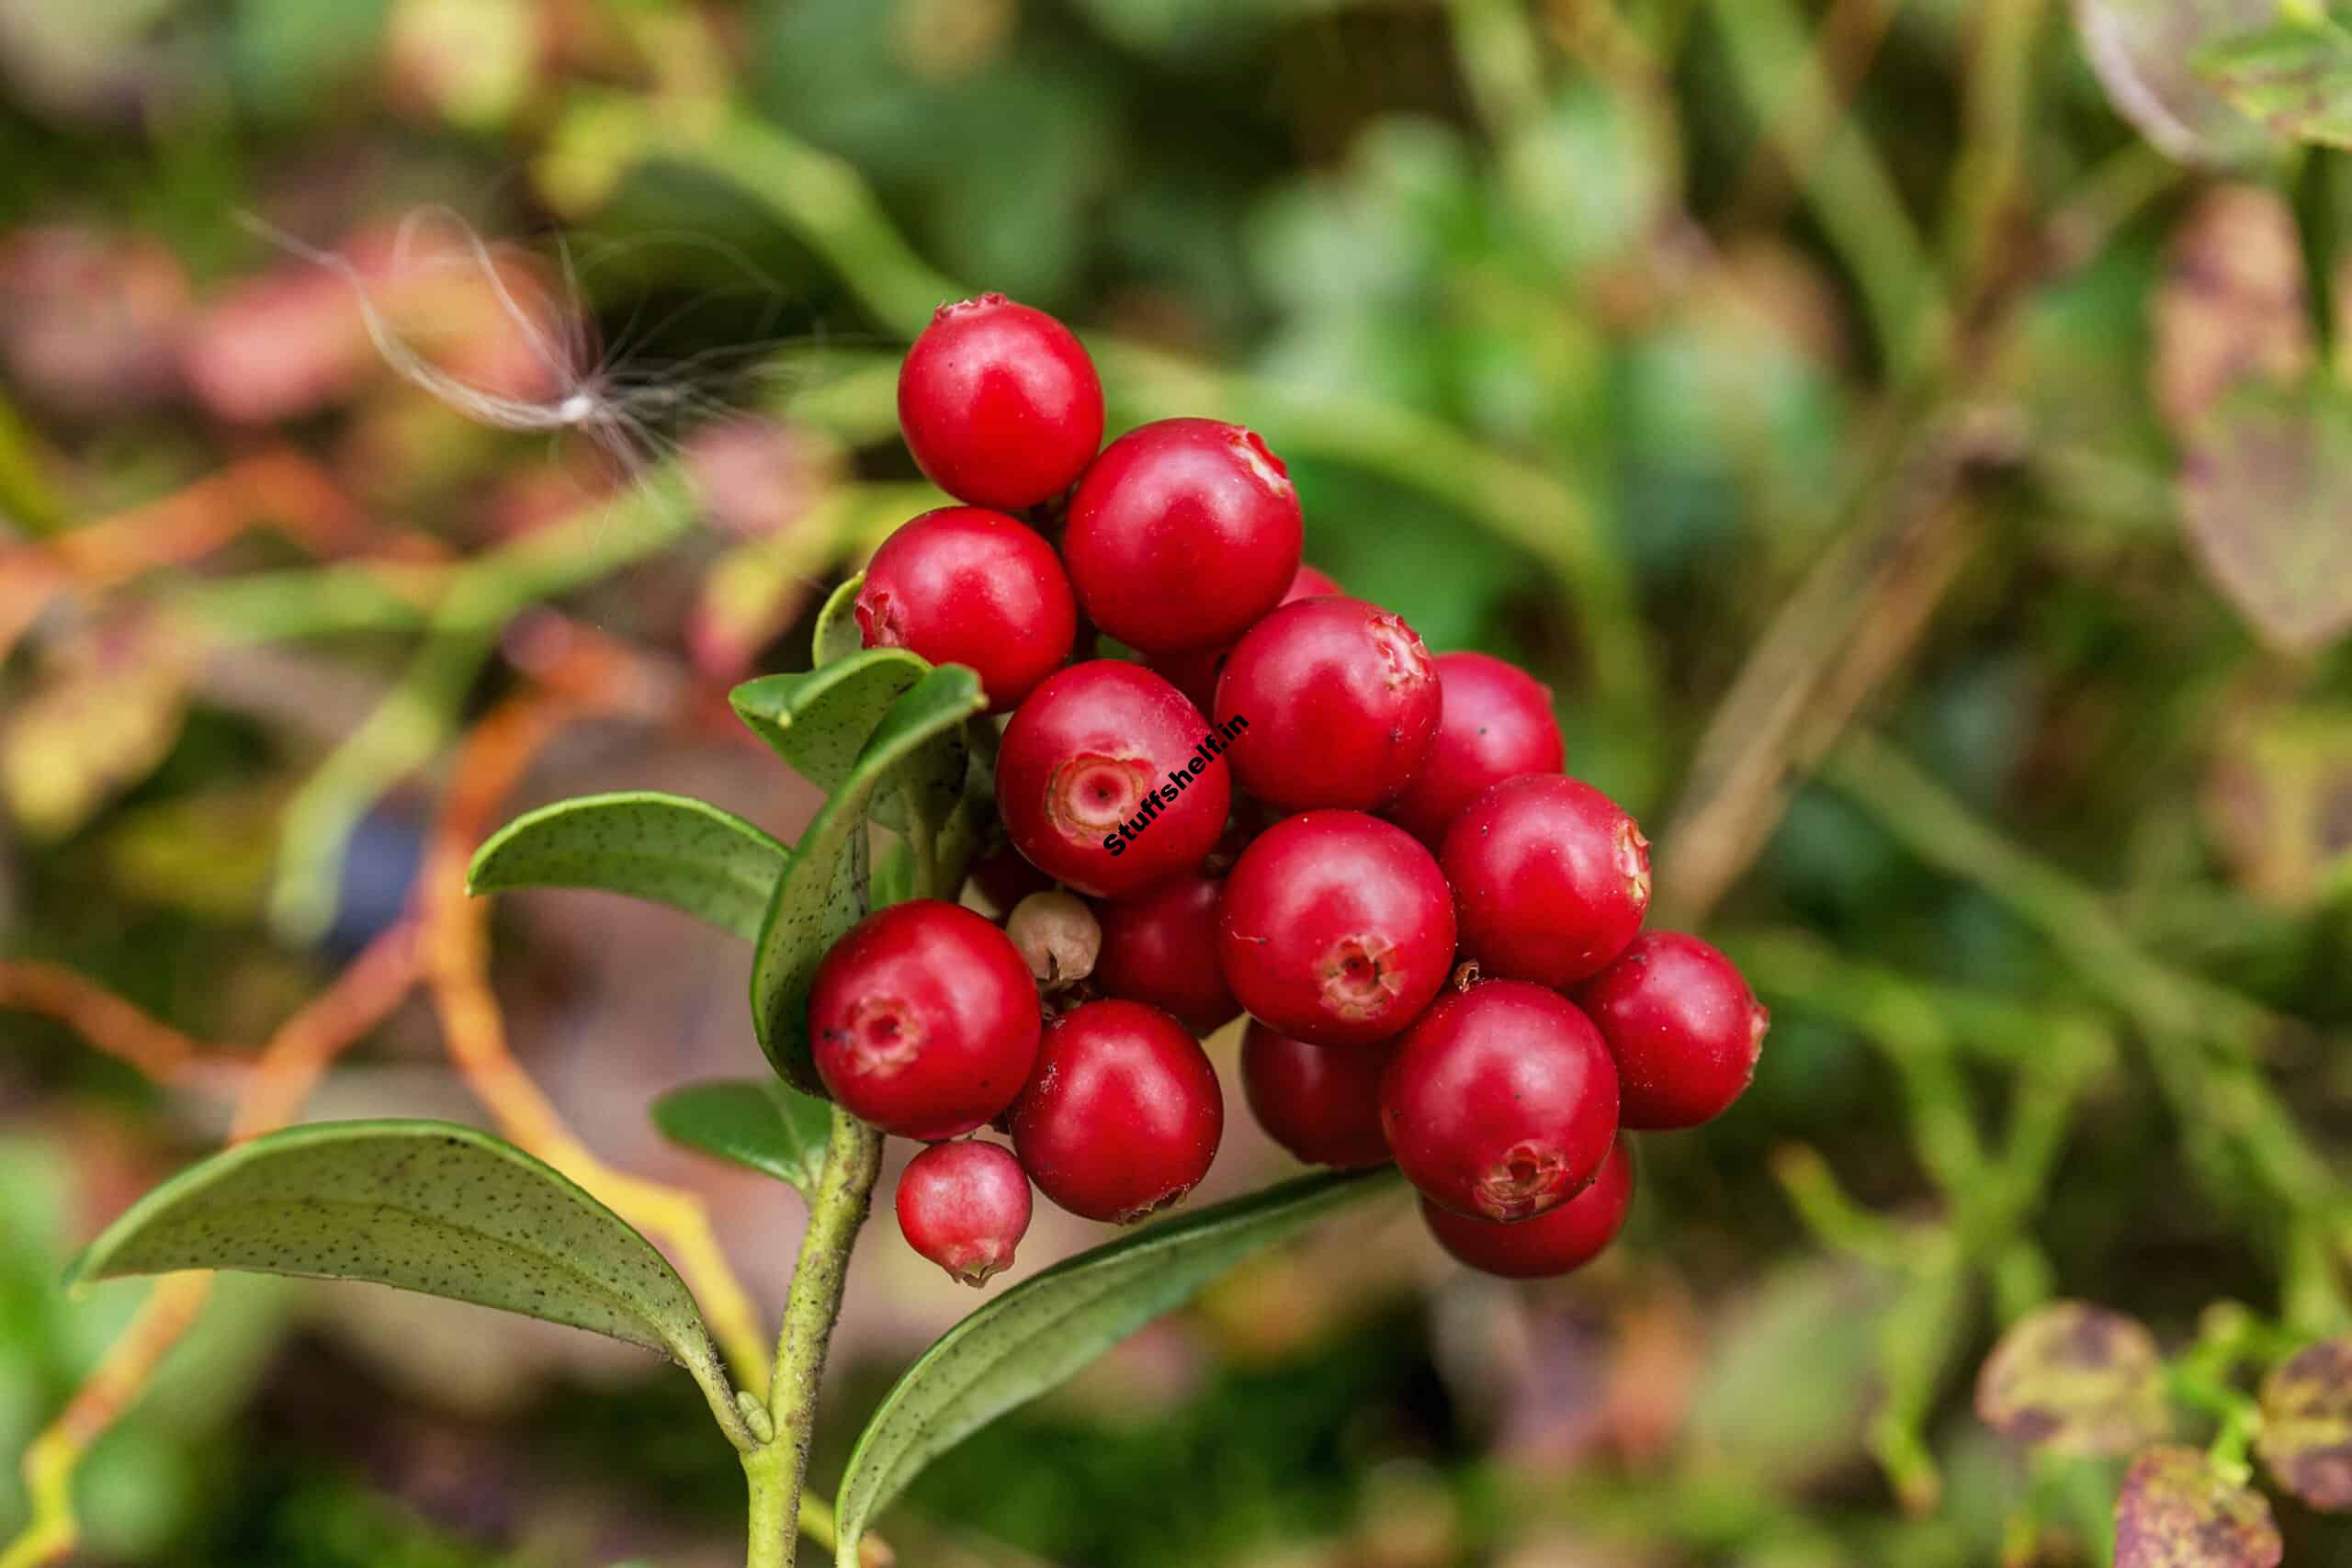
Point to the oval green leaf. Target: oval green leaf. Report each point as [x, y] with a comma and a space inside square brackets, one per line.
[428, 1206]
[837, 636]
[822, 893]
[818, 720]
[764, 1126]
[1043, 1330]
[665, 848]
[2294, 76]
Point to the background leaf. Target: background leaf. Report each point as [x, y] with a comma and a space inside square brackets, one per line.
[2177, 1511]
[763, 1125]
[820, 897]
[2306, 1439]
[2295, 77]
[1043, 1330]
[665, 848]
[2074, 1379]
[2145, 52]
[2266, 492]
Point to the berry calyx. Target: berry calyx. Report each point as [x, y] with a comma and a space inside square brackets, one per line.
[1682, 1025]
[1000, 403]
[1103, 781]
[1182, 534]
[1160, 948]
[923, 1020]
[1558, 1243]
[965, 1206]
[1335, 927]
[1121, 1116]
[966, 585]
[1320, 1103]
[1500, 1104]
[1550, 879]
[1496, 723]
[1340, 700]
[1057, 936]
[1195, 671]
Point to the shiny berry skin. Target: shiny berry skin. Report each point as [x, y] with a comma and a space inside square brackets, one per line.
[1550, 879]
[1683, 1026]
[965, 1205]
[1558, 1243]
[964, 586]
[1160, 948]
[1320, 1103]
[1335, 927]
[1086, 780]
[1180, 533]
[923, 1020]
[1501, 1103]
[1195, 671]
[1000, 404]
[1341, 702]
[1123, 1114]
[1496, 724]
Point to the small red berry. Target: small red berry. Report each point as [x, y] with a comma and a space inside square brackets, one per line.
[1180, 533]
[1497, 724]
[1160, 948]
[923, 1020]
[1000, 404]
[1550, 879]
[1320, 1103]
[1501, 1103]
[1121, 1116]
[1341, 703]
[1335, 927]
[1104, 782]
[1195, 671]
[965, 1205]
[964, 586]
[1683, 1026]
[1558, 1243]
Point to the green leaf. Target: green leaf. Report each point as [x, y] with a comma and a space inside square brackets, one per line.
[2074, 1379]
[666, 848]
[837, 634]
[894, 875]
[823, 893]
[763, 1125]
[427, 1206]
[2294, 76]
[818, 720]
[1043, 1330]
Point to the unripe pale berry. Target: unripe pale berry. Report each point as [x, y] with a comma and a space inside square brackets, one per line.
[923, 1020]
[1000, 403]
[1500, 1104]
[1160, 948]
[1320, 1102]
[1335, 927]
[1057, 937]
[1195, 671]
[1121, 1116]
[1683, 1026]
[1341, 702]
[964, 586]
[1180, 533]
[1565, 1240]
[965, 1205]
[1496, 724]
[1550, 879]
[1086, 780]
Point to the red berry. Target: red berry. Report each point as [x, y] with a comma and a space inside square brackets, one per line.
[1501, 1103]
[964, 586]
[1550, 879]
[923, 1020]
[1195, 671]
[1180, 533]
[1097, 784]
[1340, 702]
[1160, 948]
[1683, 1026]
[1497, 724]
[964, 1206]
[998, 403]
[1565, 1240]
[1123, 1114]
[1321, 1104]
[1335, 927]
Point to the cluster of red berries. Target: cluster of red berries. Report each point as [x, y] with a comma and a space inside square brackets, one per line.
[1285, 806]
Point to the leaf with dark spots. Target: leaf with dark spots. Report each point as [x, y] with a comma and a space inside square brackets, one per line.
[762, 1126]
[663, 848]
[2074, 1379]
[2306, 1439]
[2176, 1511]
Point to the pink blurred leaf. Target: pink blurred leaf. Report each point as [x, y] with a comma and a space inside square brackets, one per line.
[2232, 308]
[2266, 492]
[2176, 1511]
[2074, 1379]
[2144, 53]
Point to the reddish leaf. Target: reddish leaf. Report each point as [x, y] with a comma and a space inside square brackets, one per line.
[2176, 1511]
[2306, 1441]
[2266, 492]
[2074, 1379]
